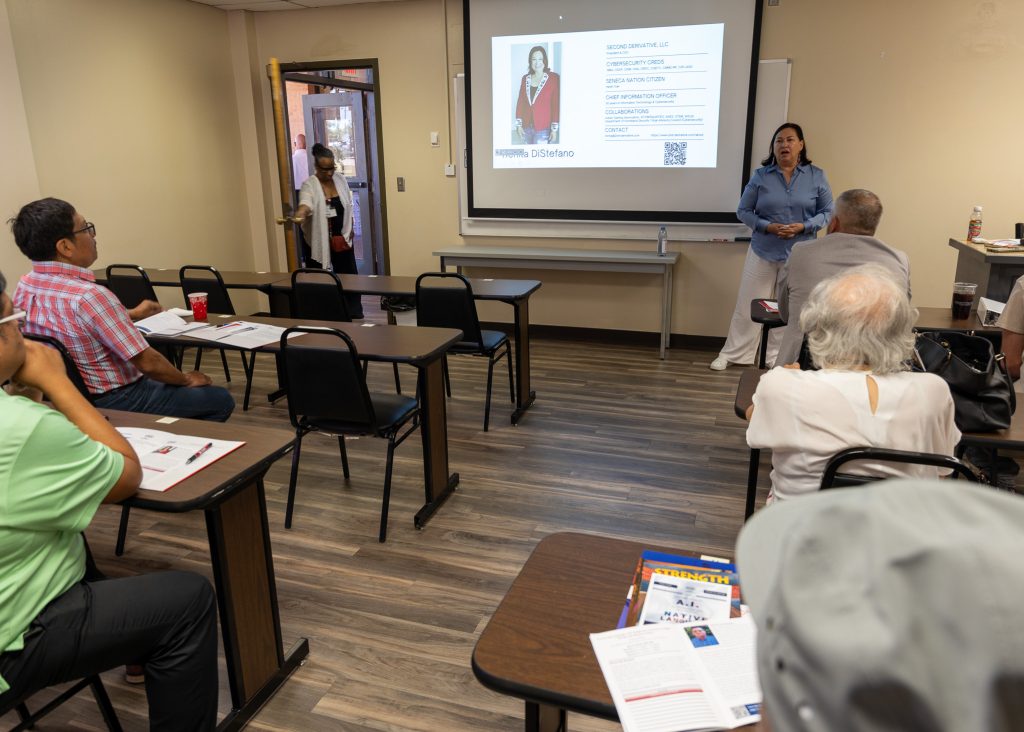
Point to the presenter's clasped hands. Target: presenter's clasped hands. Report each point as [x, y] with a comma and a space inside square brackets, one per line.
[785, 231]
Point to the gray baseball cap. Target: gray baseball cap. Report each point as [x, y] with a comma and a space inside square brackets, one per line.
[894, 606]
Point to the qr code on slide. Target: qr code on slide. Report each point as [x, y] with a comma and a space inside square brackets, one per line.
[675, 153]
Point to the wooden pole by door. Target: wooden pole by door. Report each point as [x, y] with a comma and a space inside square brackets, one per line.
[284, 162]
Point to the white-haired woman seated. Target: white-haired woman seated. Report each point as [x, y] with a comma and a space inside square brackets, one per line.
[859, 332]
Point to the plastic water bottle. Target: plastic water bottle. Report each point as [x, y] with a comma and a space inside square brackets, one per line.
[974, 228]
[662, 242]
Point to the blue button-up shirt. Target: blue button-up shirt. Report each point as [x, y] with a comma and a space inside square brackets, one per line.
[767, 199]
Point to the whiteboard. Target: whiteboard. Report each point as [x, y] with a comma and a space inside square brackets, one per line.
[770, 111]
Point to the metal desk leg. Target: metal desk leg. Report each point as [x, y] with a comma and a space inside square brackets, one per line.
[243, 572]
[524, 395]
[545, 718]
[666, 310]
[755, 463]
[438, 482]
[762, 351]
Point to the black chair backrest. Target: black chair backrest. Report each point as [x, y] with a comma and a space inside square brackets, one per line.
[325, 381]
[832, 478]
[69, 364]
[130, 283]
[317, 294]
[445, 300]
[200, 278]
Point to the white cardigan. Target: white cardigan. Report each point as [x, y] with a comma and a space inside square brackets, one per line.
[315, 226]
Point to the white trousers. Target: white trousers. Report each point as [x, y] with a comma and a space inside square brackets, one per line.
[759, 280]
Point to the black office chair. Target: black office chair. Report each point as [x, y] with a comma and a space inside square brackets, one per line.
[832, 478]
[445, 300]
[95, 683]
[317, 294]
[217, 300]
[327, 392]
[69, 364]
[130, 283]
[202, 278]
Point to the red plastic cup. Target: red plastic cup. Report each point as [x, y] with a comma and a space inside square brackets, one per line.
[198, 302]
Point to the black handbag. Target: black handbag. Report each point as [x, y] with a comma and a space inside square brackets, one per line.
[981, 387]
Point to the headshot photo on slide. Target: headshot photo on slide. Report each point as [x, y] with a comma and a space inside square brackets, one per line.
[536, 87]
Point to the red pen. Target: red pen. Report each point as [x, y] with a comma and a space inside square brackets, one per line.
[199, 453]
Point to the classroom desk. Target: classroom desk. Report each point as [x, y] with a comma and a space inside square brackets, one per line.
[536, 646]
[419, 347]
[574, 259]
[512, 292]
[277, 286]
[230, 494]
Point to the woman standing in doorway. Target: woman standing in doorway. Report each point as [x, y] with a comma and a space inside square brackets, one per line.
[325, 213]
[537, 107]
[786, 201]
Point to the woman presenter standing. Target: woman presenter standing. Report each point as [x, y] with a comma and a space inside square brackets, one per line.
[537, 108]
[325, 212]
[786, 201]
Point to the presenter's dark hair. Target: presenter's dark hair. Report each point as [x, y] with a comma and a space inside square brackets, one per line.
[770, 160]
[3, 283]
[320, 151]
[40, 225]
[529, 58]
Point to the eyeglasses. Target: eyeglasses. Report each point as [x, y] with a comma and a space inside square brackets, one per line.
[331, 169]
[16, 315]
[89, 226]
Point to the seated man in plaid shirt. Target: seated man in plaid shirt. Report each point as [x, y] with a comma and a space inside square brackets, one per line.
[63, 301]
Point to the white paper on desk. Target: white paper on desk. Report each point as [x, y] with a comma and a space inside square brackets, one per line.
[181, 312]
[660, 682]
[240, 334]
[166, 323]
[165, 456]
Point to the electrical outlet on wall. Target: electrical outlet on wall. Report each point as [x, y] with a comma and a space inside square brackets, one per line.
[449, 170]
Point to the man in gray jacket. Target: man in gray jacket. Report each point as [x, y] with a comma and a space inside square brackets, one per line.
[850, 242]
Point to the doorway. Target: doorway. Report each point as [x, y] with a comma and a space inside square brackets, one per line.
[336, 104]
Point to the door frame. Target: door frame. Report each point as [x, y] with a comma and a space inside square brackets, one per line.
[293, 72]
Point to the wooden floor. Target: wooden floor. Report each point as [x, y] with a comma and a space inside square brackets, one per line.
[618, 443]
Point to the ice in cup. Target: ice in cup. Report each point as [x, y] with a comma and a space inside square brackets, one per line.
[963, 299]
[197, 300]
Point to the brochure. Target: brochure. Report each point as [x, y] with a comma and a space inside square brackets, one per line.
[240, 334]
[687, 588]
[682, 599]
[166, 323]
[691, 676]
[167, 458]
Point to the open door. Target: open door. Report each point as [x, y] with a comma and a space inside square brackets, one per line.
[337, 121]
[337, 104]
[284, 165]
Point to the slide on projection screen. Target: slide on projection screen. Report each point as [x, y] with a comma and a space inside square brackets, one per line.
[614, 111]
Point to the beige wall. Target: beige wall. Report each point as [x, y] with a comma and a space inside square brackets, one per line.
[132, 118]
[919, 101]
[18, 182]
